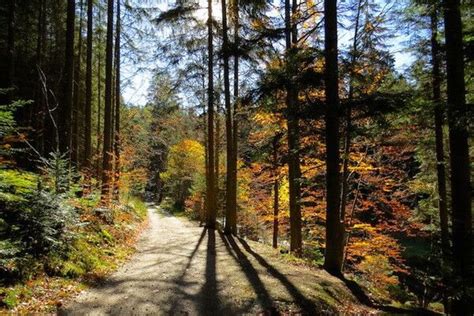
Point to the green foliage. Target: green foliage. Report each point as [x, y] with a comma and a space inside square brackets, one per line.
[378, 276]
[185, 164]
[36, 218]
[314, 255]
[138, 206]
[106, 236]
[57, 172]
[8, 123]
[7, 119]
[16, 185]
[35, 221]
[11, 296]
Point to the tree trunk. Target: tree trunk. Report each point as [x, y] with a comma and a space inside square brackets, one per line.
[117, 106]
[230, 205]
[40, 106]
[107, 149]
[77, 86]
[203, 215]
[235, 121]
[276, 197]
[11, 44]
[99, 100]
[334, 224]
[348, 139]
[459, 155]
[218, 136]
[88, 104]
[217, 151]
[294, 172]
[66, 108]
[210, 187]
[439, 122]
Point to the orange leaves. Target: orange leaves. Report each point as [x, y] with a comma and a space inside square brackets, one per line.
[268, 125]
[265, 118]
[376, 256]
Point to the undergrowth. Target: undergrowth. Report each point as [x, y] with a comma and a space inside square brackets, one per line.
[54, 244]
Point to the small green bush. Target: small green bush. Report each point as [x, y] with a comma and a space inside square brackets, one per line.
[314, 255]
[34, 222]
[139, 207]
[10, 298]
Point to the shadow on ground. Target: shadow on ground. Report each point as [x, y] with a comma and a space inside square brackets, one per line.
[182, 269]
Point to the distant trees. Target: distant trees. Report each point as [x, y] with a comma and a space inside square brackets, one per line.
[52, 74]
[184, 169]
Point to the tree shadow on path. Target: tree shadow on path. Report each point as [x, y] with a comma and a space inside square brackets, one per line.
[299, 298]
[251, 273]
[209, 305]
[179, 282]
[304, 303]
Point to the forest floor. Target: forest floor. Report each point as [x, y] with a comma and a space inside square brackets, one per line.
[181, 268]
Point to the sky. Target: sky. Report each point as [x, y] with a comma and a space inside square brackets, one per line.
[135, 91]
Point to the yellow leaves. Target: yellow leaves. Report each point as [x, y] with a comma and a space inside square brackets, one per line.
[379, 272]
[312, 14]
[364, 227]
[189, 146]
[265, 118]
[362, 168]
[313, 167]
[319, 65]
[359, 245]
[368, 27]
[257, 24]
[131, 178]
[269, 123]
[185, 159]
[275, 63]
[421, 186]
[315, 94]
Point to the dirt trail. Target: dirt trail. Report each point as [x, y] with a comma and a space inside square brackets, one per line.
[182, 269]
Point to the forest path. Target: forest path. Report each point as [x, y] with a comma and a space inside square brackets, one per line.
[183, 269]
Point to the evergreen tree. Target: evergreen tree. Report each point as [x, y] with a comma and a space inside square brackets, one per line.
[459, 155]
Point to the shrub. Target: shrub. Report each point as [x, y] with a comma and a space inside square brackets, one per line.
[34, 222]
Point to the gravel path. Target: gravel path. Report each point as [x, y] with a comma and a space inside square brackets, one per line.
[183, 269]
